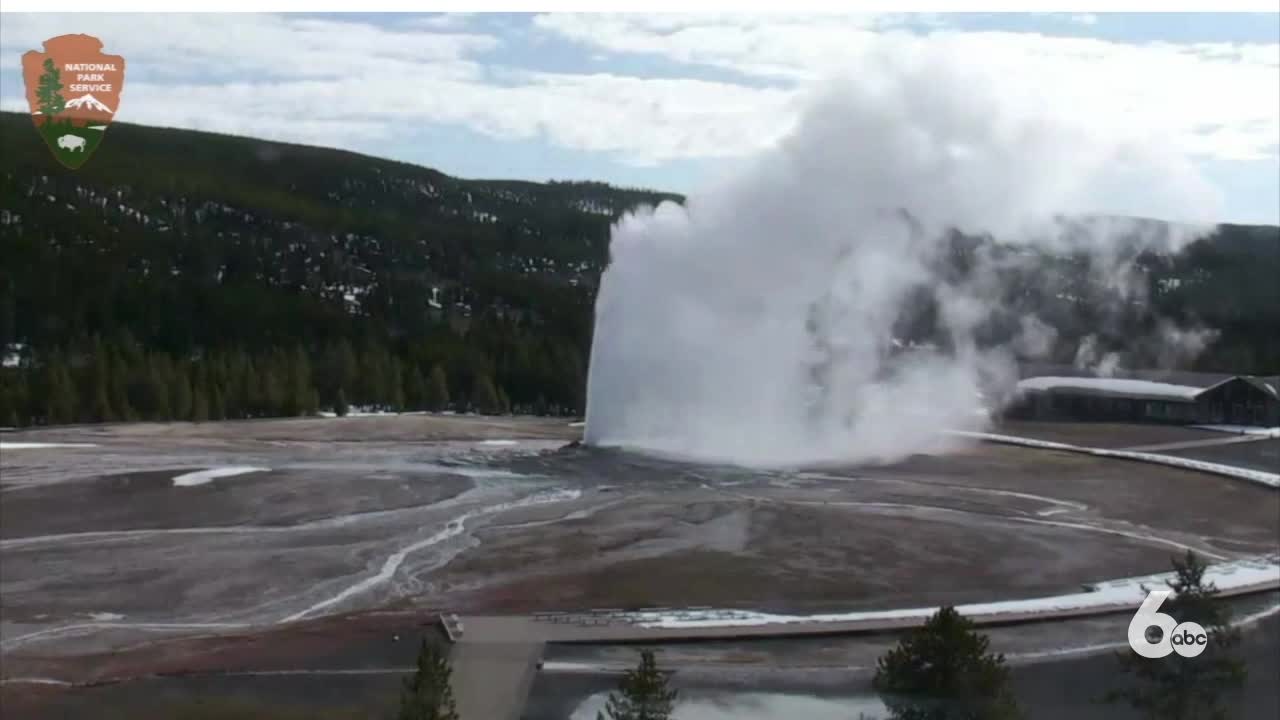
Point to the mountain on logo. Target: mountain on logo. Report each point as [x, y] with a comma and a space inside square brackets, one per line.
[88, 102]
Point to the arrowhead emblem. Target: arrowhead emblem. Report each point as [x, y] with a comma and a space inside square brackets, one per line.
[73, 90]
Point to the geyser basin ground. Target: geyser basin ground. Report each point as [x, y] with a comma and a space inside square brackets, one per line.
[100, 551]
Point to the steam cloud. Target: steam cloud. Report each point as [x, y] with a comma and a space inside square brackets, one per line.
[763, 322]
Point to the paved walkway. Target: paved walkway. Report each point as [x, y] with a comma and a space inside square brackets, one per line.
[1206, 442]
[491, 680]
[587, 628]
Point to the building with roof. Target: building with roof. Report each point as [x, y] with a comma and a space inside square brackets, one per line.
[1058, 393]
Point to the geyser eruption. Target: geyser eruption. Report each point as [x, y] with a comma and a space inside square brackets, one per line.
[763, 321]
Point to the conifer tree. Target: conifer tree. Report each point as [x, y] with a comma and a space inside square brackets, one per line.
[49, 91]
[943, 670]
[60, 400]
[157, 390]
[437, 390]
[427, 695]
[217, 403]
[340, 407]
[415, 389]
[180, 395]
[299, 392]
[643, 694]
[97, 406]
[395, 385]
[484, 397]
[199, 404]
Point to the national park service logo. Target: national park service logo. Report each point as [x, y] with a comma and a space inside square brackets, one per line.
[73, 90]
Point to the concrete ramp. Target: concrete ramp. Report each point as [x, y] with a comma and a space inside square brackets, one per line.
[491, 680]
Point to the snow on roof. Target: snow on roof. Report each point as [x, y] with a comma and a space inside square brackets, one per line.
[1111, 386]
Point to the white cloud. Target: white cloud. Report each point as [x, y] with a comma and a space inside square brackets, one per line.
[1175, 90]
[343, 83]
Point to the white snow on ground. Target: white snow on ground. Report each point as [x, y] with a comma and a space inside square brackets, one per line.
[1111, 385]
[203, 476]
[1126, 592]
[105, 616]
[39, 445]
[577, 424]
[370, 411]
[1273, 432]
[500, 443]
[1268, 479]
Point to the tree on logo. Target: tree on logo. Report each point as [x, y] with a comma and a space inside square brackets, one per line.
[48, 92]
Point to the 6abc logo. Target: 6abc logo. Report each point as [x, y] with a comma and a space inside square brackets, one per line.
[1188, 639]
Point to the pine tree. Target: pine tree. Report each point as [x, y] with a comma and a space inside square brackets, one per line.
[345, 368]
[415, 389]
[371, 385]
[180, 395]
[101, 410]
[217, 404]
[437, 390]
[49, 92]
[158, 407]
[643, 694]
[271, 393]
[118, 384]
[60, 398]
[944, 671]
[299, 392]
[98, 400]
[428, 694]
[1182, 688]
[395, 385]
[199, 404]
[484, 397]
[340, 407]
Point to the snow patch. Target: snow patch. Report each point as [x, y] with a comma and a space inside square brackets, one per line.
[1118, 386]
[499, 443]
[105, 616]
[40, 445]
[370, 411]
[203, 476]
[1273, 432]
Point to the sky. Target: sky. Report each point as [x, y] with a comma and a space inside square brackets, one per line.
[671, 102]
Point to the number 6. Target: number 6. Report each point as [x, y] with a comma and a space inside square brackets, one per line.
[1147, 617]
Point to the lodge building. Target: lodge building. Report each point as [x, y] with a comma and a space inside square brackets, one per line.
[1066, 393]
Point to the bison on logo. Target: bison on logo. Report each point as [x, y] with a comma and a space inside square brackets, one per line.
[73, 90]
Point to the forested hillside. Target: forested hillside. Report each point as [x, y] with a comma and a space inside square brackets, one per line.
[182, 274]
[188, 274]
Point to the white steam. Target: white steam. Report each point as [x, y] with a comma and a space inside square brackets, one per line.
[756, 324]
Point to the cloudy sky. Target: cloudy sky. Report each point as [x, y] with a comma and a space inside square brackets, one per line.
[666, 101]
